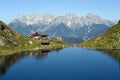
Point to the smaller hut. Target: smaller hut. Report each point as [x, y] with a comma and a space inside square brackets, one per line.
[45, 40]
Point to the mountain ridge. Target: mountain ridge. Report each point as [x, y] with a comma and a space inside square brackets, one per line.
[67, 19]
[75, 25]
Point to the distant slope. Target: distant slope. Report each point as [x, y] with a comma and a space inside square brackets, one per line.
[109, 40]
[60, 31]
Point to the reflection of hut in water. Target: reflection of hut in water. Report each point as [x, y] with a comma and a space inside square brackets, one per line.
[45, 40]
[39, 54]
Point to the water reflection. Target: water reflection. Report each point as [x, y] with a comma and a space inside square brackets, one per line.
[68, 64]
[7, 61]
[115, 53]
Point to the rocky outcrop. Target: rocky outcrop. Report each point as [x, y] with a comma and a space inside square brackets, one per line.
[2, 39]
[8, 36]
[2, 43]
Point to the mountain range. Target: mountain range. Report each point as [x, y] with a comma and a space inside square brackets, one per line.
[68, 26]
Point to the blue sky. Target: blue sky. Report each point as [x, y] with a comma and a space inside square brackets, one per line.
[11, 9]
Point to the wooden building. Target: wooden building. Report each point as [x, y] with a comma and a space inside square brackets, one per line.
[45, 40]
[35, 36]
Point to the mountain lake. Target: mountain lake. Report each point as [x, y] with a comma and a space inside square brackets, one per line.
[71, 63]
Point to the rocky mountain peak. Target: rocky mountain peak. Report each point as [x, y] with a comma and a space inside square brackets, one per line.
[85, 26]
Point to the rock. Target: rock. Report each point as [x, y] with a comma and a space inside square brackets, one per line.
[2, 43]
[15, 43]
[30, 42]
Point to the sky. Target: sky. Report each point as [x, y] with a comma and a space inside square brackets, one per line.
[11, 9]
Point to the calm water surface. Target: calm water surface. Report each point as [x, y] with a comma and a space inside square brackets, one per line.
[67, 64]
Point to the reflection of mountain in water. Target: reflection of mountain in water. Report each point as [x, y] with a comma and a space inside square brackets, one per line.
[115, 53]
[7, 61]
[73, 40]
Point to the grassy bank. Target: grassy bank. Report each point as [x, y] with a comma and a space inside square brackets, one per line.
[109, 40]
[10, 49]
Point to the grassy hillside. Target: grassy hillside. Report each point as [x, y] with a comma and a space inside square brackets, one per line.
[12, 42]
[109, 40]
[10, 37]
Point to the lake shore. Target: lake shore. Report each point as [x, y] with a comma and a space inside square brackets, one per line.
[54, 45]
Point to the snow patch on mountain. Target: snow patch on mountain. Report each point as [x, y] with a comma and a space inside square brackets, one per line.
[71, 20]
[69, 25]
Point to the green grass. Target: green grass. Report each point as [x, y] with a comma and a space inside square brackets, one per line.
[109, 40]
[10, 49]
[23, 43]
[54, 45]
